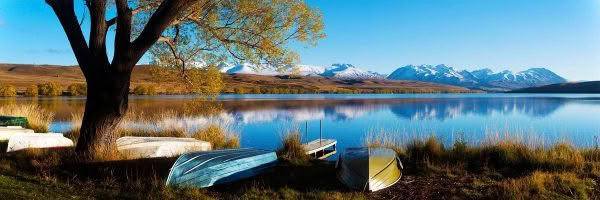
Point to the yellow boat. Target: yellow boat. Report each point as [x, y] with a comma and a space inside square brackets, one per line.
[369, 169]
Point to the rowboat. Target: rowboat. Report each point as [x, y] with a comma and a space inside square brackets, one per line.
[13, 121]
[37, 140]
[8, 131]
[204, 169]
[369, 169]
[154, 147]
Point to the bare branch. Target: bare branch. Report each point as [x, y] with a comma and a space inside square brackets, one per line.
[113, 21]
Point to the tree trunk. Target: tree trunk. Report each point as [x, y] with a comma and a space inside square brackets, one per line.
[105, 107]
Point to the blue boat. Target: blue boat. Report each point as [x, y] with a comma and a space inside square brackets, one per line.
[206, 168]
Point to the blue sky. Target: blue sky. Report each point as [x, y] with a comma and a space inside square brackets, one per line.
[563, 36]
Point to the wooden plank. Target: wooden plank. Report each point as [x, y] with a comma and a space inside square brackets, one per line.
[318, 145]
[325, 154]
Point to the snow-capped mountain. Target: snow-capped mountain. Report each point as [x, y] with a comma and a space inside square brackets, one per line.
[483, 78]
[343, 71]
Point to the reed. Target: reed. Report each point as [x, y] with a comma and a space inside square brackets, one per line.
[39, 119]
[291, 146]
[220, 136]
[505, 152]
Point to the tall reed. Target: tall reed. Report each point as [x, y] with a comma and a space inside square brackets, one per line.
[39, 119]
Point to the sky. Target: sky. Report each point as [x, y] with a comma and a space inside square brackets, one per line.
[382, 35]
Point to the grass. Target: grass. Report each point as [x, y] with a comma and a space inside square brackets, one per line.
[291, 146]
[38, 118]
[521, 170]
[60, 174]
[165, 124]
[544, 185]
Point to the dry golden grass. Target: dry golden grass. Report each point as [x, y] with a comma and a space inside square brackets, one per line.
[291, 146]
[544, 185]
[498, 152]
[219, 136]
[38, 118]
[165, 124]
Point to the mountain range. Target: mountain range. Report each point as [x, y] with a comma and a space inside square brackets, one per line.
[484, 79]
[342, 71]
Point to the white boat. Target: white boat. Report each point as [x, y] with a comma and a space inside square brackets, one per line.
[18, 142]
[153, 147]
[7, 131]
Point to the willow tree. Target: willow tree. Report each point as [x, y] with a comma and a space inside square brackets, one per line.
[254, 31]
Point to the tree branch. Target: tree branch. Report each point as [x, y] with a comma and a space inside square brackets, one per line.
[97, 40]
[166, 13]
[112, 21]
[65, 12]
[123, 35]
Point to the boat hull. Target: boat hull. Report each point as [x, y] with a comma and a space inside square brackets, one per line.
[205, 169]
[369, 169]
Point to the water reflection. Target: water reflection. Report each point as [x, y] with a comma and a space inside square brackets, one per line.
[410, 109]
[441, 109]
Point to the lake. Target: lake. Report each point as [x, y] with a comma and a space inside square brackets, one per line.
[261, 119]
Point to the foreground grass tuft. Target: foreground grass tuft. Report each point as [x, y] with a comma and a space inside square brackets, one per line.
[543, 185]
[218, 136]
[291, 146]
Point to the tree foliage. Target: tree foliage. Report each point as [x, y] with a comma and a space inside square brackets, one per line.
[212, 32]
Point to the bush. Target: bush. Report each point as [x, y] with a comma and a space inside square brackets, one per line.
[77, 89]
[145, 90]
[49, 89]
[7, 90]
[256, 91]
[238, 90]
[31, 91]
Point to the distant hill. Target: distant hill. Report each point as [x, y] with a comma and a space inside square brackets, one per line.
[483, 79]
[581, 87]
[24, 75]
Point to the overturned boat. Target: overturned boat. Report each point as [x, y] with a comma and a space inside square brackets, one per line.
[207, 168]
[369, 169]
[156, 147]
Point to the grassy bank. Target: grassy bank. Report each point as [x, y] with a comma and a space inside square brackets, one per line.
[514, 168]
[504, 169]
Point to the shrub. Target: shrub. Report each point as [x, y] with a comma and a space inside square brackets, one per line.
[145, 90]
[31, 91]
[77, 89]
[49, 89]
[238, 90]
[38, 118]
[7, 90]
[256, 91]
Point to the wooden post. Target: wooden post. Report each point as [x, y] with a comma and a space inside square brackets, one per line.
[306, 131]
[320, 132]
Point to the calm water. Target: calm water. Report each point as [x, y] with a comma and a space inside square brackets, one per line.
[261, 119]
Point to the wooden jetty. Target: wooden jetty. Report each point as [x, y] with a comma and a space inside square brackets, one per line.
[320, 148]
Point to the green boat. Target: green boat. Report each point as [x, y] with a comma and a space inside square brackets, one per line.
[13, 121]
[369, 169]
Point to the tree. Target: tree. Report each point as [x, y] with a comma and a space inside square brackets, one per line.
[245, 30]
